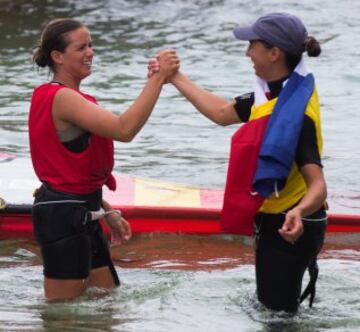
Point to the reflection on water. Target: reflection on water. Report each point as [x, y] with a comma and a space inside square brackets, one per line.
[186, 253]
[176, 282]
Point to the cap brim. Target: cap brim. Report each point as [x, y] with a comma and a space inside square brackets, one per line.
[245, 33]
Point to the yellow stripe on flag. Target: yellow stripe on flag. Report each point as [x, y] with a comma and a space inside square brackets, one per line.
[2, 204]
[158, 193]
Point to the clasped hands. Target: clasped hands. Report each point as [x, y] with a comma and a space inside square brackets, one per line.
[166, 63]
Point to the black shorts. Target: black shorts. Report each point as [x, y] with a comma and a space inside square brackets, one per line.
[280, 266]
[70, 245]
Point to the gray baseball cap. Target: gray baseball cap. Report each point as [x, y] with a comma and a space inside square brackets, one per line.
[277, 29]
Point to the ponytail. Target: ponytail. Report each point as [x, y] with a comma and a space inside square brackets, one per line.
[312, 46]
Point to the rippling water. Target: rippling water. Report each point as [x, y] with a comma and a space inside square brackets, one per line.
[179, 283]
[178, 144]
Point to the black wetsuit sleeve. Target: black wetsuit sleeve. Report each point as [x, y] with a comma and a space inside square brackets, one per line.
[243, 106]
[307, 151]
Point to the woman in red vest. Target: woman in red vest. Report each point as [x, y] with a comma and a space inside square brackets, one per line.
[278, 135]
[71, 143]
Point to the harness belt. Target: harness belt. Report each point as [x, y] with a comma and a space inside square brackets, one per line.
[89, 216]
[99, 214]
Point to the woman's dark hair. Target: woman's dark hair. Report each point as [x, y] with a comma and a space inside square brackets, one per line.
[311, 47]
[53, 38]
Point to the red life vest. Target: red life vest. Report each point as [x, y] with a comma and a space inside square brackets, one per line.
[63, 170]
[240, 202]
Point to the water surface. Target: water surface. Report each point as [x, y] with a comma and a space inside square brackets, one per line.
[184, 282]
[177, 283]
